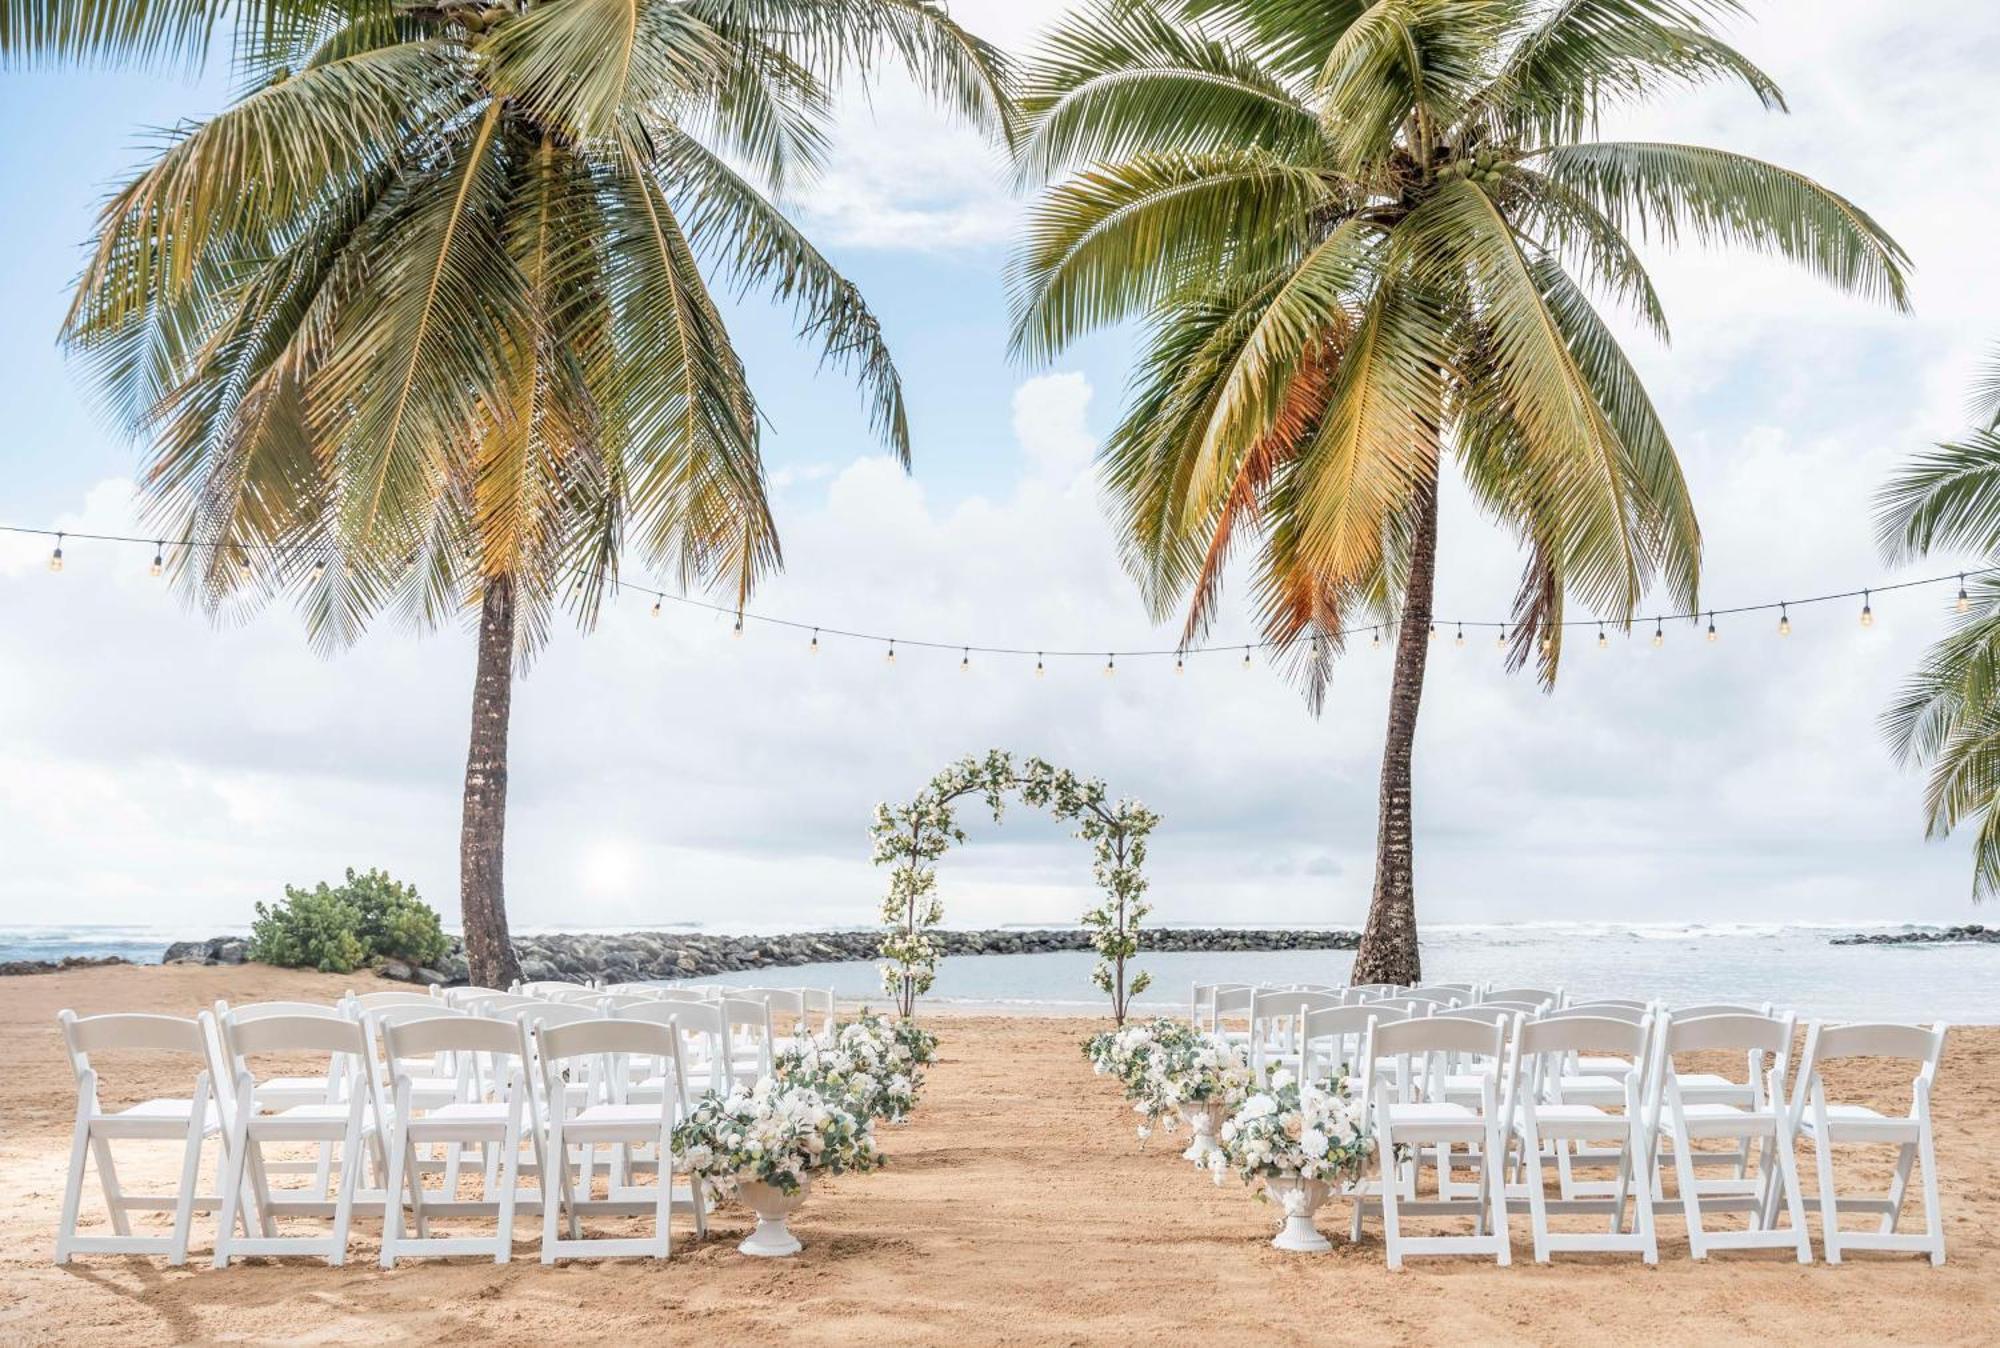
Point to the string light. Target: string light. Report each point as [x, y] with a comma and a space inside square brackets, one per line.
[238, 554]
[965, 661]
[892, 651]
[1110, 666]
[1039, 671]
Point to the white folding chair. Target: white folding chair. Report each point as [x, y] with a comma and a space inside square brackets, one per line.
[1714, 1088]
[1599, 1079]
[1541, 997]
[582, 1048]
[353, 1125]
[1544, 1114]
[1413, 1123]
[1274, 1023]
[1201, 1011]
[281, 1091]
[1226, 1002]
[1765, 1125]
[497, 1126]
[820, 1002]
[1824, 1125]
[189, 1121]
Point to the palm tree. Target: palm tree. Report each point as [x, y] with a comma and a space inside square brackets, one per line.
[1948, 715]
[1360, 237]
[421, 321]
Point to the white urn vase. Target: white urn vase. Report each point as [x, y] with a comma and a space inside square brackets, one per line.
[1299, 1199]
[771, 1239]
[1202, 1118]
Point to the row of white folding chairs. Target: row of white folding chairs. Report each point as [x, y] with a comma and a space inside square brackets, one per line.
[1509, 1087]
[374, 1057]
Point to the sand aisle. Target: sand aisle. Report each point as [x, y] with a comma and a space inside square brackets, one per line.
[1017, 1209]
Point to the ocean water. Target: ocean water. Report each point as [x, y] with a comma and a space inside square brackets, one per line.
[1794, 965]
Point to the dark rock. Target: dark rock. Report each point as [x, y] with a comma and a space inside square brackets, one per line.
[15, 968]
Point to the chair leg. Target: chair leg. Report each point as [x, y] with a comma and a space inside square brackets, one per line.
[107, 1177]
[1538, 1203]
[1690, 1200]
[508, 1178]
[1638, 1161]
[1494, 1180]
[350, 1179]
[235, 1163]
[392, 1196]
[1899, 1188]
[1392, 1232]
[663, 1207]
[1829, 1200]
[1795, 1207]
[177, 1251]
[79, 1152]
[1933, 1214]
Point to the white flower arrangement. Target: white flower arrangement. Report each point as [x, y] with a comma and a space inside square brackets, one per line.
[776, 1132]
[867, 1064]
[1290, 1131]
[1166, 1065]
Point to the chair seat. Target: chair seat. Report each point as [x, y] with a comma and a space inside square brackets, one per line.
[1716, 1120]
[1614, 1067]
[271, 1086]
[156, 1118]
[1859, 1122]
[614, 1114]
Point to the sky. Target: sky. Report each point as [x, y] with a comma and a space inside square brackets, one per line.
[156, 769]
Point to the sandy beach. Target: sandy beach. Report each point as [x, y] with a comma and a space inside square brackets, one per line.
[1018, 1208]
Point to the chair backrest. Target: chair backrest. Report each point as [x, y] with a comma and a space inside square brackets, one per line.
[553, 1013]
[1404, 1006]
[468, 994]
[582, 994]
[1734, 1030]
[500, 1004]
[620, 1000]
[1291, 1003]
[558, 1044]
[1562, 1034]
[1627, 1003]
[1436, 999]
[1537, 996]
[1347, 1026]
[632, 989]
[295, 1034]
[1917, 1043]
[1631, 1015]
[1439, 1034]
[820, 1002]
[1703, 1009]
[1466, 989]
[1491, 1013]
[1517, 1008]
[1233, 1000]
[428, 1036]
[1376, 990]
[118, 1031]
[658, 1013]
[376, 1001]
[259, 1010]
[544, 987]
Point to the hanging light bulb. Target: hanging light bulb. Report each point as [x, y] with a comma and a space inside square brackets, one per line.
[1376, 639]
[319, 569]
[1964, 603]
[814, 648]
[1434, 631]
[965, 660]
[243, 568]
[1603, 642]
[657, 601]
[1039, 671]
[1500, 642]
[737, 630]
[1110, 668]
[1784, 622]
[578, 587]
[1461, 635]
[891, 657]
[1659, 634]
[159, 559]
[1180, 664]
[55, 558]
[1246, 657]
[1867, 613]
[1548, 642]
[1711, 628]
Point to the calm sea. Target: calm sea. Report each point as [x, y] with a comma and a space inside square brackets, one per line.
[1793, 965]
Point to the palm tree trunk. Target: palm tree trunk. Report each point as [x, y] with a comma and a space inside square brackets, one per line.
[1388, 952]
[489, 950]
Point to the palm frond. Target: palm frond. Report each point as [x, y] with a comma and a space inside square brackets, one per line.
[1945, 499]
[1657, 190]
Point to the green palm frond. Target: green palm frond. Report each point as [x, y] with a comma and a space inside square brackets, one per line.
[157, 34]
[1116, 80]
[1656, 191]
[1945, 499]
[1108, 243]
[1581, 58]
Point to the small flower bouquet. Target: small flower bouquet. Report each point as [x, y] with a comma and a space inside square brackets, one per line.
[763, 1146]
[1296, 1143]
[865, 1064]
[1198, 1078]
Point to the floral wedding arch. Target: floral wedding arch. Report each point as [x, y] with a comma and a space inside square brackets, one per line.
[911, 838]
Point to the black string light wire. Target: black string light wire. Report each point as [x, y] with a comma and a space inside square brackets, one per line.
[240, 553]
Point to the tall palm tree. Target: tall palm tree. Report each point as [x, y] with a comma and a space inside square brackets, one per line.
[421, 320]
[1363, 237]
[1948, 715]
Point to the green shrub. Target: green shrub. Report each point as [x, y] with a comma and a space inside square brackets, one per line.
[311, 929]
[337, 930]
[395, 923]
